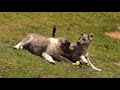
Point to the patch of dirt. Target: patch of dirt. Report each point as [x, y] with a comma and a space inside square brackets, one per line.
[117, 63]
[113, 34]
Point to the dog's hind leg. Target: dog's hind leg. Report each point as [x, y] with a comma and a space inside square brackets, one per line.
[48, 58]
[24, 42]
[18, 46]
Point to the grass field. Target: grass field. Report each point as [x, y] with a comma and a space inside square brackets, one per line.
[104, 50]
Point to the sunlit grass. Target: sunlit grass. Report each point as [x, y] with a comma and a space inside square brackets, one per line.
[103, 50]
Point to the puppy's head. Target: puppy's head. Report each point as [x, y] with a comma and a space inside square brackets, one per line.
[64, 43]
[85, 39]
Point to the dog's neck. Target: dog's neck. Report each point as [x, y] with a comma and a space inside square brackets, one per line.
[81, 50]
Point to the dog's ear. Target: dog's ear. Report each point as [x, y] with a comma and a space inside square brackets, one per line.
[65, 42]
[68, 43]
[81, 35]
[90, 36]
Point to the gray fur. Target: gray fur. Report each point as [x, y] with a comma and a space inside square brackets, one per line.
[45, 47]
[80, 47]
[38, 45]
[79, 51]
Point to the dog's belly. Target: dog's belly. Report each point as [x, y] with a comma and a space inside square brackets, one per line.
[36, 49]
[38, 45]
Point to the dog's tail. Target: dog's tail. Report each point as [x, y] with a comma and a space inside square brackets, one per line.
[54, 31]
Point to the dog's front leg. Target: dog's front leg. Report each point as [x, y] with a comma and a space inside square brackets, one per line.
[83, 59]
[59, 57]
[48, 57]
[91, 65]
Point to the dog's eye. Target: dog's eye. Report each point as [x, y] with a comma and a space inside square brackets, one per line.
[84, 39]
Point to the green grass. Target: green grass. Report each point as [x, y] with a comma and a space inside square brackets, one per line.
[103, 50]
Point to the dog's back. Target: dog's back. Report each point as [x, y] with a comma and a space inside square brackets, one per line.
[38, 45]
[51, 46]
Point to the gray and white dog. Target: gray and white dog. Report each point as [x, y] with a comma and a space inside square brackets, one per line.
[45, 47]
[79, 50]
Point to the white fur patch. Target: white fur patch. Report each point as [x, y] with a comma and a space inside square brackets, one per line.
[53, 41]
[54, 47]
[84, 59]
[17, 46]
[48, 57]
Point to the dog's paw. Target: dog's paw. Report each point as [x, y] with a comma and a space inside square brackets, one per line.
[16, 47]
[75, 64]
[99, 70]
[52, 62]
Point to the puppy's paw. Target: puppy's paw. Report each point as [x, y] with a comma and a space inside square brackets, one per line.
[16, 47]
[52, 62]
[73, 63]
[99, 70]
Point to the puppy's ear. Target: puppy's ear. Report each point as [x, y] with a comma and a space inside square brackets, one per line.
[78, 43]
[63, 40]
[68, 43]
[91, 36]
[81, 35]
